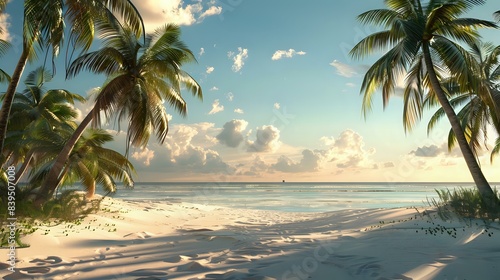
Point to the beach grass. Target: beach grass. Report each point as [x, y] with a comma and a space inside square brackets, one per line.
[464, 203]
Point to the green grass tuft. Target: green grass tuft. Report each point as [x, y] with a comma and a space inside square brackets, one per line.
[464, 203]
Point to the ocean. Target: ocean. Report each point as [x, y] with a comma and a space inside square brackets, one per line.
[292, 197]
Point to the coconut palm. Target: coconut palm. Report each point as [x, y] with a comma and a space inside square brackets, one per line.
[43, 27]
[480, 107]
[141, 78]
[90, 163]
[33, 105]
[422, 46]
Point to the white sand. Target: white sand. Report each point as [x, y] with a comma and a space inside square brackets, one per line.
[151, 240]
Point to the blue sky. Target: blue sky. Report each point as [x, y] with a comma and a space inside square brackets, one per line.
[281, 98]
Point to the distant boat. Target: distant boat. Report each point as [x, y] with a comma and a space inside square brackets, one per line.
[283, 181]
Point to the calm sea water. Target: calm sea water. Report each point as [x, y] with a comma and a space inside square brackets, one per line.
[291, 197]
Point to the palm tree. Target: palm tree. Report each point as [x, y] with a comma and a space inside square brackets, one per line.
[36, 104]
[141, 79]
[43, 26]
[480, 107]
[420, 39]
[90, 163]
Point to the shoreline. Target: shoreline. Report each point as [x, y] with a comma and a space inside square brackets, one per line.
[180, 240]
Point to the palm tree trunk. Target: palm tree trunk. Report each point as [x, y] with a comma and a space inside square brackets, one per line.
[9, 97]
[23, 167]
[482, 184]
[6, 159]
[54, 176]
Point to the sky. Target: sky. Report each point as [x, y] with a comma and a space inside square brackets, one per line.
[281, 99]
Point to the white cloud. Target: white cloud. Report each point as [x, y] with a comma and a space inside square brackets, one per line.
[279, 54]
[214, 88]
[267, 140]
[238, 59]
[232, 133]
[202, 51]
[230, 96]
[158, 12]
[257, 167]
[310, 162]
[212, 11]
[438, 151]
[210, 69]
[216, 107]
[277, 106]
[145, 155]
[184, 152]
[239, 111]
[343, 69]
[4, 25]
[347, 151]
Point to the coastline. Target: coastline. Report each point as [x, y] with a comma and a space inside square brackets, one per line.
[179, 240]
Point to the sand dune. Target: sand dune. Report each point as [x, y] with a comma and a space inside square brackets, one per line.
[153, 240]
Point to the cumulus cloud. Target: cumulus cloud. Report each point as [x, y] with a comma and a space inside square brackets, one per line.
[145, 155]
[279, 54]
[185, 151]
[210, 69]
[427, 151]
[216, 107]
[238, 58]
[433, 150]
[232, 133]
[157, 12]
[212, 11]
[347, 150]
[4, 26]
[214, 88]
[230, 96]
[277, 106]
[239, 111]
[343, 69]
[267, 140]
[257, 167]
[202, 51]
[310, 162]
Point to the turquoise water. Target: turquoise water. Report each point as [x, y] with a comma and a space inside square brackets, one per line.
[291, 197]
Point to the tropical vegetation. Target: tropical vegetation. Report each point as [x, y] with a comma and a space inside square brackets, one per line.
[423, 47]
[479, 109]
[42, 133]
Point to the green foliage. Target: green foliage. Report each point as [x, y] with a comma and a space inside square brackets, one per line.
[464, 203]
[4, 239]
[71, 206]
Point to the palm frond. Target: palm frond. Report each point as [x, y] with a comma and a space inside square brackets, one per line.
[496, 149]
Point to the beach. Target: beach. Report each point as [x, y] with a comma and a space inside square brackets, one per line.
[180, 240]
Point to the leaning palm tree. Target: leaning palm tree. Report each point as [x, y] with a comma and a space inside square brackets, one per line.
[422, 47]
[480, 107]
[141, 79]
[44, 28]
[31, 106]
[90, 163]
